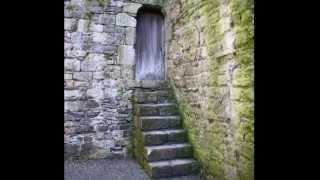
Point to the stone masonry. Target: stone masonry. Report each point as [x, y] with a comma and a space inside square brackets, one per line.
[99, 76]
[209, 64]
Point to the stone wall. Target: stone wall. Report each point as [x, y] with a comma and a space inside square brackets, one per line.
[209, 47]
[99, 38]
[209, 59]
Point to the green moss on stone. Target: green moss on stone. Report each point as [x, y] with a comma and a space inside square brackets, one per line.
[242, 11]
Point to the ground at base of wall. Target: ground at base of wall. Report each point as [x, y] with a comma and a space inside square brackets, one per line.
[109, 169]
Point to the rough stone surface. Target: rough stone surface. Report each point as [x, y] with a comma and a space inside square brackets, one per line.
[97, 102]
[131, 8]
[209, 45]
[209, 59]
[124, 19]
[127, 55]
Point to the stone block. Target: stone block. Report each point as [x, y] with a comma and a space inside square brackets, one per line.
[83, 25]
[95, 92]
[71, 93]
[103, 38]
[75, 53]
[94, 62]
[83, 76]
[73, 106]
[164, 152]
[102, 49]
[130, 35]
[107, 19]
[123, 19]
[98, 75]
[68, 84]
[91, 104]
[70, 24]
[67, 76]
[96, 27]
[126, 55]
[131, 8]
[71, 65]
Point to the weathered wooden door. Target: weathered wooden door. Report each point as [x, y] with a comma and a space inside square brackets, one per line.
[149, 46]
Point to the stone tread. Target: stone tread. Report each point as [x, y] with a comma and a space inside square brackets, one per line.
[159, 117]
[163, 132]
[166, 146]
[166, 136]
[172, 162]
[174, 167]
[151, 123]
[157, 105]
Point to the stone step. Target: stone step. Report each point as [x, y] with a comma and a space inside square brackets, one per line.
[163, 109]
[149, 123]
[166, 152]
[172, 168]
[161, 96]
[159, 137]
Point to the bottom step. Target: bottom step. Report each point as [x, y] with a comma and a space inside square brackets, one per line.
[170, 168]
[188, 177]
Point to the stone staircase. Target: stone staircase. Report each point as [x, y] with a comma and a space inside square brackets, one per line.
[160, 143]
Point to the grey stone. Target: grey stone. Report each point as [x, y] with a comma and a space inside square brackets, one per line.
[131, 8]
[130, 36]
[101, 37]
[112, 9]
[92, 114]
[73, 106]
[71, 150]
[149, 123]
[166, 109]
[96, 27]
[75, 53]
[96, 92]
[68, 84]
[98, 75]
[67, 46]
[78, 84]
[164, 136]
[83, 25]
[71, 65]
[106, 19]
[82, 76]
[102, 128]
[126, 55]
[67, 76]
[79, 3]
[116, 3]
[123, 19]
[70, 24]
[92, 104]
[164, 152]
[74, 116]
[179, 167]
[109, 29]
[94, 62]
[83, 129]
[102, 49]
[71, 93]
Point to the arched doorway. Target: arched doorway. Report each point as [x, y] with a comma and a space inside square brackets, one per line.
[150, 45]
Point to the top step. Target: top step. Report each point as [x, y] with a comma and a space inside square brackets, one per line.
[151, 84]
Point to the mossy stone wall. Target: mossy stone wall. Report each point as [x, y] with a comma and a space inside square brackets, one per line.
[209, 54]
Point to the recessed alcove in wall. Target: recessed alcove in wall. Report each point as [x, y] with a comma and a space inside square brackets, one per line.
[149, 47]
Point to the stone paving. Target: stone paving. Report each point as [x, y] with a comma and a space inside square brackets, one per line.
[109, 169]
